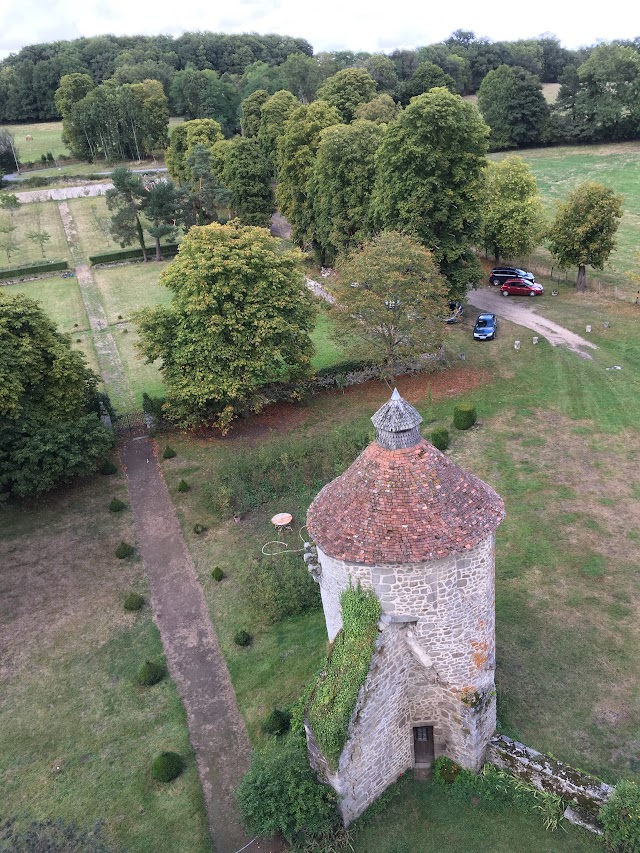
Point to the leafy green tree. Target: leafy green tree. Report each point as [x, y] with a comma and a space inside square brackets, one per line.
[382, 110]
[383, 71]
[273, 114]
[163, 206]
[390, 301]
[203, 94]
[9, 202]
[48, 431]
[72, 89]
[302, 76]
[513, 215]
[280, 794]
[296, 155]
[126, 199]
[426, 76]
[512, 104]
[8, 240]
[346, 90]
[251, 108]
[206, 196]
[341, 186]
[184, 137]
[246, 175]
[261, 75]
[429, 180]
[40, 237]
[239, 321]
[584, 229]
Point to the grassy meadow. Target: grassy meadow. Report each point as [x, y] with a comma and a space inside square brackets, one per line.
[46, 137]
[27, 219]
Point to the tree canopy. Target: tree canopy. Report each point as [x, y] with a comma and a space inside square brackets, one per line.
[247, 177]
[584, 229]
[429, 180]
[512, 104]
[50, 430]
[390, 301]
[346, 90]
[239, 321]
[512, 215]
[273, 114]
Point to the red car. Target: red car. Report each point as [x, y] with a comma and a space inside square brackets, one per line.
[521, 287]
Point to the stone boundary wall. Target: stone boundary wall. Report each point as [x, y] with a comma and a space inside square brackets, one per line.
[585, 793]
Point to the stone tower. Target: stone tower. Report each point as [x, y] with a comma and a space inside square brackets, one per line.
[407, 522]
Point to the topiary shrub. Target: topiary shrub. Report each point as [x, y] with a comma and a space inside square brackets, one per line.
[440, 438]
[134, 601]
[199, 528]
[167, 766]
[169, 453]
[124, 550]
[107, 468]
[280, 793]
[620, 818]
[242, 638]
[277, 723]
[150, 673]
[183, 486]
[217, 574]
[116, 505]
[464, 416]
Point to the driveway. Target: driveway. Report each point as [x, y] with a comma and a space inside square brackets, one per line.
[524, 313]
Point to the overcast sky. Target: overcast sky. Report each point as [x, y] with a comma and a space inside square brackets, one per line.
[372, 25]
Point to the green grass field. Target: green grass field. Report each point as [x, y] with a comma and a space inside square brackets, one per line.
[30, 218]
[47, 137]
[559, 170]
[60, 299]
[77, 733]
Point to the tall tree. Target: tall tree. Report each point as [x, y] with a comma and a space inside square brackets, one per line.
[512, 215]
[429, 180]
[246, 175]
[341, 186]
[126, 199]
[346, 90]
[382, 110]
[427, 76]
[49, 428]
[302, 76]
[296, 155]
[184, 137]
[584, 229]
[512, 104]
[273, 115]
[383, 71]
[239, 320]
[251, 107]
[203, 94]
[163, 206]
[390, 301]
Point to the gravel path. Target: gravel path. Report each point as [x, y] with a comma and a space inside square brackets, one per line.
[196, 664]
[525, 314]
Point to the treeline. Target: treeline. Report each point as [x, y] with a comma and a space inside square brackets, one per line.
[240, 64]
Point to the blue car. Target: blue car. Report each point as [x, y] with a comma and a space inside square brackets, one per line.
[485, 327]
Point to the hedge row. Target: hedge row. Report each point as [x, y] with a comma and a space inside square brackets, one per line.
[343, 367]
[168, 251]
[34, 269]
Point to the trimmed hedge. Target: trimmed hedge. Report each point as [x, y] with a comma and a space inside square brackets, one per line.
[440, 438]
[34, 269]
[464, 416]
[116, 505]
[217, 574]
[167, 766]
[168, 251]
[134, 601]
[124, 550]
[344, 367]
[150, 673]
[242, 638]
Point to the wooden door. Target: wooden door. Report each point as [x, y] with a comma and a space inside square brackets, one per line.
[423, 745]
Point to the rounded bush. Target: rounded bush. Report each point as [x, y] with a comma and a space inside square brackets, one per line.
[242, 638]
[199, 528]
[150, 673]
[107, 468]
[464, 416]
[167, 766]
[169, 453]
[277, 723]
[440, 438]
[124, 550]
[217, 574]
[445, 771]
[116, 505]
[134, 601]
[183, 486]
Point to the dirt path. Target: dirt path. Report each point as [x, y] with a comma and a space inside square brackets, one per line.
[194, 658]
[488, 299]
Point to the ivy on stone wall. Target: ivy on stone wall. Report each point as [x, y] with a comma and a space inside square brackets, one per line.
[336, 692]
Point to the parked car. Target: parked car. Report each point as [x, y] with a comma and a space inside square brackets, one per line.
[501, 274]
[521, 287]
[485, 327]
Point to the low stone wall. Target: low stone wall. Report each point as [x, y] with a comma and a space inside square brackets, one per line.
[585, 793]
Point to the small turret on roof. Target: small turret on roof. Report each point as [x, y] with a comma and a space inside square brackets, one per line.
[402, 500]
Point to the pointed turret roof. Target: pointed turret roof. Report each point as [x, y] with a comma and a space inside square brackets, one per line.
[402, 500]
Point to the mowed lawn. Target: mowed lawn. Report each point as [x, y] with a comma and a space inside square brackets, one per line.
[77, 733]
[27, 219]
[47, 137]
[60, 300]
[617, 165]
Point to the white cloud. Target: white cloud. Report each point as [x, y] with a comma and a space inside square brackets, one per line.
[332, 24]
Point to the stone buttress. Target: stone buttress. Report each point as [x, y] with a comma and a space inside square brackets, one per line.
[408, 523]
